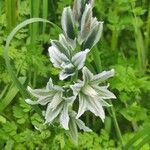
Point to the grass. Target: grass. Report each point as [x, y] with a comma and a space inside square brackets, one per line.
[11, 13]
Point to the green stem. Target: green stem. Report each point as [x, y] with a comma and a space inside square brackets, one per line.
[114, 39]
[97, 59]
[139, 43]
[34, 78]
[114, 42]
[35, 12]
[115, 31]
[45, 14]
[11, 13]
[147, 37]
[118, 132]
[4, 91]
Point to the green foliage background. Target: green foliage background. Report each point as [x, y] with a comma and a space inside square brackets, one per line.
[125, 46]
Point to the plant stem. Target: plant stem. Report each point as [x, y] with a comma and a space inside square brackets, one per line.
[114, 42]
[147, 36]
[45, 13]
[139, 42]
[97, 59]
[11, 13]
[3, 91]
[114, 39]
[115, 32]
[118, 132]
[34, 78]
[34, 27]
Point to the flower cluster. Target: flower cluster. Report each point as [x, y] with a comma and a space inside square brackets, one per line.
[81, 31]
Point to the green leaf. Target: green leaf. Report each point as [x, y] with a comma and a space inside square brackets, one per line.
[2, 119]
[12, 92]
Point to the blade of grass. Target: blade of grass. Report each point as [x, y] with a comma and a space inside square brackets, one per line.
[116, 125]
[45, 14]
[115, 31]
[145, 140]
[138, 135]
[147, 36]
[4, 91]
[35, 12]
[12, 92]
[108, 124]
[21, 88]
[11, 13]
[139, 42]
[96, 58]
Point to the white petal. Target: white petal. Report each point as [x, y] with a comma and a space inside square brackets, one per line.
[38, 92]
[76, 88]
[73, 129]
[87, 74]
[85, 22]
[94, 22]
[64, 117]
[45, 100]
[82, 105]
[99, 33]
[95, 107]
[82, 126]
[63, 75]
[93, 36]
[29, 101]
[52, 87]
[89, 91]
[61, 47]
[69, 99]
[103, 92]
[104, 103]
[55, 101]
[102, 76]
[50, 114]
[77, 9]
[79, 59]
[67, 43]
[50, 84]
[67, 22]
[56, 57]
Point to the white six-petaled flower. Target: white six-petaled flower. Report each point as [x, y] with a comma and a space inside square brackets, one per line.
[91, 95]
[57, 104]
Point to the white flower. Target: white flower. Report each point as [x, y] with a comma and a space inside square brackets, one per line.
[46, 95]
[79, 7]
[85, 23]
[59, 109]
[91, 95]
[57, 105]
[94, 34]
[67, 23]
[67, 65]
